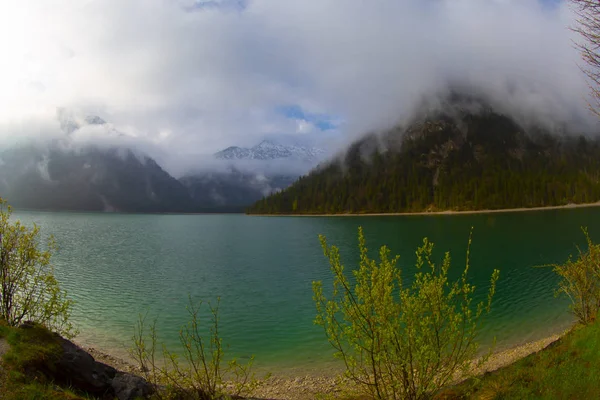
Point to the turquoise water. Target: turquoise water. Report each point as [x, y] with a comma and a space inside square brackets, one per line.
[117, 266]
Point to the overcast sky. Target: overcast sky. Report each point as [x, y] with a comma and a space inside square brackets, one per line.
[183, 78]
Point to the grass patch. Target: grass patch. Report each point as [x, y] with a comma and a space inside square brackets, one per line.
[32, 350]
[567, 369]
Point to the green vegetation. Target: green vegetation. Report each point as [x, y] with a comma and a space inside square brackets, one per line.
[28, 288]
[567, 369]
[29, 292]
[205, 374]
[581, 282]
[30, 351]
[467, 162]
[399, 341]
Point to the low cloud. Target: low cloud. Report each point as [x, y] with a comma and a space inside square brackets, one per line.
[183, 79]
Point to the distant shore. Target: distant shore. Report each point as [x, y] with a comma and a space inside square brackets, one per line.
[448, 212]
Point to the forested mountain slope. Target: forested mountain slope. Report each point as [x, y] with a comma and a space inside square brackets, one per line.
[467, 160]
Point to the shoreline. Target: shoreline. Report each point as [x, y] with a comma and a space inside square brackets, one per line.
[434, 213]
[314, 385]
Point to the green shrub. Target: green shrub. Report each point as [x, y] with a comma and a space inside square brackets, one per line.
[398, 341]
[28, 287]
[580, 281]
[204, 374]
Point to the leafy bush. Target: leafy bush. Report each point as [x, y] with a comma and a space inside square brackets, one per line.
[399, 341]
[28, 287]
[581, 281]
[204, 374]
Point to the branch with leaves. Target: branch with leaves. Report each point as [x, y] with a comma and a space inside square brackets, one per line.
[204, 373]
[401, 341]
[29, 290]
[588, 27]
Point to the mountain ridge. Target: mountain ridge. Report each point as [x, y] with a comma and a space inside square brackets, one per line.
[270, 150]
[65, 174]
[449, 160]
[89, 179]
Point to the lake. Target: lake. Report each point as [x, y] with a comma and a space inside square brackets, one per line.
[118, 266]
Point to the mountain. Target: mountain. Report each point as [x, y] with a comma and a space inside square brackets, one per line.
[232, 190]
[64, 175]
[270, 150]
[88, 179]
[466, 155]
[245, 175]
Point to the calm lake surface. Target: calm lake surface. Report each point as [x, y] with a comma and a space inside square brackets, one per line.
[117, 266]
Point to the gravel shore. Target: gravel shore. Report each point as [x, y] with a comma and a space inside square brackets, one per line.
[314, 386]
[506, 357]
[448, 212]
[115, 362]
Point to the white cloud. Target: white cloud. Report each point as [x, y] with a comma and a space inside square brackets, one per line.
[190, 83]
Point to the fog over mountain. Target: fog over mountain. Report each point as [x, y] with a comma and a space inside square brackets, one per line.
[180, 80]
[71, 172]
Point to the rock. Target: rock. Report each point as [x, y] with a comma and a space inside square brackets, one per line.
[27, 325]
[129, 387]
[78, 369]
[67, 364]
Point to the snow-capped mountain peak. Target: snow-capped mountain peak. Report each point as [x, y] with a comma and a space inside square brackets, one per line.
[94, 120]
[233, 153]
[269, 150]
[70, 122]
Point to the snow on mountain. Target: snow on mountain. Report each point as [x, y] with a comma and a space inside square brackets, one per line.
[71, 124]
[234, 153]
[94, 120]
[269, 150]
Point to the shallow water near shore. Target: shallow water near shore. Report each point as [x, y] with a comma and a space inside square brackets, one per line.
[117, 266]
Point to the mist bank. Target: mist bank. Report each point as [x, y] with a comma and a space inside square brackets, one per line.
[236, 72]
[465, 155]
[60, 175]
[85, 163]
[461, 137]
